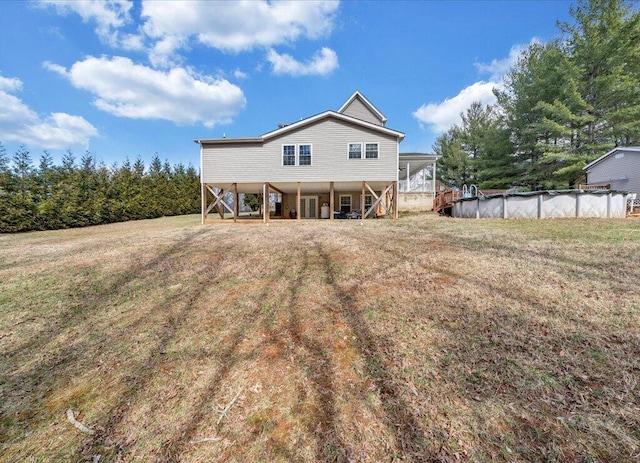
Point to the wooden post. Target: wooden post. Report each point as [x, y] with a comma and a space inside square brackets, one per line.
[331, 200]
[203, 203]
[298, 202]
[236, 208]
[221, 209]
[395, 199]
[387, 200]
[265, 202]
[363, 213]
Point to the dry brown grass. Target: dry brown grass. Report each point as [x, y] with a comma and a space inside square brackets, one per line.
[421, 339]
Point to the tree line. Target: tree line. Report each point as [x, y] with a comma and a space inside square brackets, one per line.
[83, 192]
[562, 105]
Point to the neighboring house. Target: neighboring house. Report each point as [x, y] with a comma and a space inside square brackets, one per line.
[619, 168]
[340, 161]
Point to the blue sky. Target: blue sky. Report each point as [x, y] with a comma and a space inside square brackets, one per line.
[130, 79]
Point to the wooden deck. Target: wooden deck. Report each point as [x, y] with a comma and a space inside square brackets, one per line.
[444, 199]
[594, 186]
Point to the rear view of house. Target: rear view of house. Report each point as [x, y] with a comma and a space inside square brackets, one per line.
[334, 163]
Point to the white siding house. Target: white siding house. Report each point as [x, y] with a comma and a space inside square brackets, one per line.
[341, 160]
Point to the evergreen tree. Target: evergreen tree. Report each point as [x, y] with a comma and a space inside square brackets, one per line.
[455, 167]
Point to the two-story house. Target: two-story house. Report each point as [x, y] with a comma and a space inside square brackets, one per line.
[335, 161]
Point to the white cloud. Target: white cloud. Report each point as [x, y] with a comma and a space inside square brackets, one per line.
[109, 16]
[441, 116]
[238, 74]
[497, 68]
[21, 124]
[126, 89]
[324, 62]
[166, 27]
[236, 26]
[12, 84]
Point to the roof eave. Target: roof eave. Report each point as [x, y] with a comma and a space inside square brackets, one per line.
[326, 114]
[606, 155]
[227, 141]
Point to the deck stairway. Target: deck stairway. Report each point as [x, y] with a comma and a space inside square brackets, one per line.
[445, 197]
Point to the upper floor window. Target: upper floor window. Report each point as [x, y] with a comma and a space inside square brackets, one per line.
[304, 155]
[355, 150]
[296, 155]
[364, 150]
[371, 150]
[288, 155]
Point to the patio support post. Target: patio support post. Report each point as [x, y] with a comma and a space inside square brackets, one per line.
[203, 203]
[265, 202]
[331, 200]
[387, 203]
[220, 199]
[363, 212]
[395, 199]
[298, 201]
[235, 202]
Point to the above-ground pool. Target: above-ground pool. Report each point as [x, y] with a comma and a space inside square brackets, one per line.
[544, 204]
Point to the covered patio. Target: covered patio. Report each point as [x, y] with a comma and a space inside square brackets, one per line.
[298, 200]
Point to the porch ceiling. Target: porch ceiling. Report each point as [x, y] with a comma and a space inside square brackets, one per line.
[305, 187]
[415, 163]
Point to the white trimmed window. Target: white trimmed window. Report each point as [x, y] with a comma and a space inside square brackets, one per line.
[355, 150]
[304, 155]
[288, 155]
[371, 150]
[296, 155]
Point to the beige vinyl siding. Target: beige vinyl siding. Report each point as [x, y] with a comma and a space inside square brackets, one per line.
[612, 169]
[360, 111]
[248, 163]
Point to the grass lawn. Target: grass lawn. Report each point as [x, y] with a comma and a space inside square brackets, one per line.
[421, 339]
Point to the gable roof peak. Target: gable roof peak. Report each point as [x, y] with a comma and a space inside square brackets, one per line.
[358, 95]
